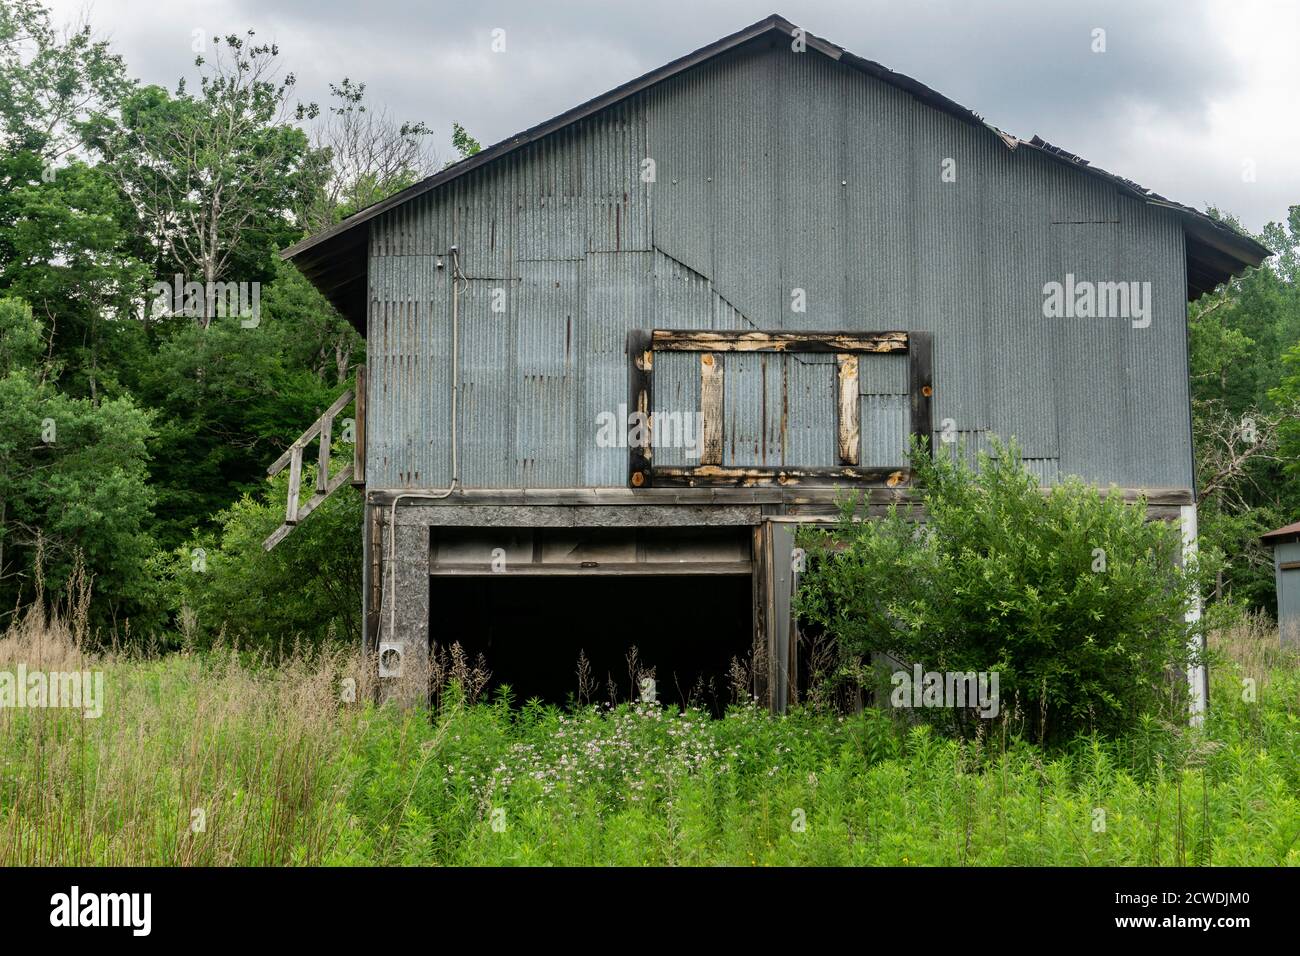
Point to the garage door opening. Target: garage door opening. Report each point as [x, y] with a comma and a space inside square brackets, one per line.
[531, 629]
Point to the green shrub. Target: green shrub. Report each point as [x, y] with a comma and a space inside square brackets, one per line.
[307, 589]
[73, 484]
[1073, 598]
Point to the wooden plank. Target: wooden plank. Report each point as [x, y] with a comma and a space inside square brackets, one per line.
[698, 340]
[785, 477]
[920, 385]
[571, 497]
[1289, 566]
[311, 505]
[359, 430]
[848, 408]
[640, 400]
[339, 404]
[317, 499]
[582, 516]
[279, 535]
[323, 459]
[711, 411]
[703, 494]
[595, 569]
[295, 480]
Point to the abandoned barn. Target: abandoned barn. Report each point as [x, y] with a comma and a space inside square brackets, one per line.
[614, 361]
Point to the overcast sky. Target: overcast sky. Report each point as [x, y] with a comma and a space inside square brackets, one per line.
[1188, 95]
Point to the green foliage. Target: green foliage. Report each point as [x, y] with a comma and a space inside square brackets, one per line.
[230, 398]
[72, 476]
[221, 205]
[64, 229]
[464, 144]
[306, 590]
[1244, 356]
[364, 156]
[1074, 599]
[306, 780]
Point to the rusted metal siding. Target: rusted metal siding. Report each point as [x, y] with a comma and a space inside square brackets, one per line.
[778, 177]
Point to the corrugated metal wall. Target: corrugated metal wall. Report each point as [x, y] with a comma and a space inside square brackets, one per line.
[776, 176]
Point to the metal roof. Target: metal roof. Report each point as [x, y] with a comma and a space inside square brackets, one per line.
[1289, 532]
[334, 260]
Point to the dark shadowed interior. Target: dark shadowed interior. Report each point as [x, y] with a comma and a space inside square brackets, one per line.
[532, 628]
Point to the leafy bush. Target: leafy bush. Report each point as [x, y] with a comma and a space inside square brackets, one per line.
[295, 772]
[1073, 598]
[307, 589]
[73, 480]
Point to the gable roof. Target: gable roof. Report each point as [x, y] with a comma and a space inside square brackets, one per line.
[334, 260]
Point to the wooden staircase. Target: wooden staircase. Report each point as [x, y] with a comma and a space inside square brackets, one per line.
[326, 484]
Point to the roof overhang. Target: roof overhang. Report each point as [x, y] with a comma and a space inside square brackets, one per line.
[1282, 535]
[334, 260]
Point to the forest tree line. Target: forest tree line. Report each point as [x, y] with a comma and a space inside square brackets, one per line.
[134, 438]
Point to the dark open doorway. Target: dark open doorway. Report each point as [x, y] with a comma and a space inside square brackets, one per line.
[531, 630]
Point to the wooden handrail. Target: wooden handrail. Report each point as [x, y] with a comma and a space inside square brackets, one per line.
[322, 428]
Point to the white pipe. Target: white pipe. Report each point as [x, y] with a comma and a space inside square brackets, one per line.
[456, 277]
[1196, 675]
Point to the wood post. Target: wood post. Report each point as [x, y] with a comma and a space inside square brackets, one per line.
[640, 402]
[920, 370]
[359, 431]
[322, 428]
[848, 408]
[711, 411]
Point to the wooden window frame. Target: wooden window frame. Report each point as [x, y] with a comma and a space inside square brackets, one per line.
[848, 347]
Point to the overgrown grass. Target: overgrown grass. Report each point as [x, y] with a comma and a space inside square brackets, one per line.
[286, 772]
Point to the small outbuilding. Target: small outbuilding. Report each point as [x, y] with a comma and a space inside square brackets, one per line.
[1285, 543]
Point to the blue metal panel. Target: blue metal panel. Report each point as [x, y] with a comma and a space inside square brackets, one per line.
[773, 171]
[677, 404]
[808, 414]
[752, 400]
[617, 297]
[884, 374]
[885, 425]
[546, 329]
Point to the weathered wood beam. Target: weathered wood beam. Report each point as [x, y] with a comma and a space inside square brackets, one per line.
[300, 514]
[786, 477]
[317, 499]
[775, 495]
[848, 408]
[711, 411]
[359, 430]
[580, 496]
[295, 481]
[595, 569]
[920, 370]
[323, 459]
[640, 400]
[696, 340]
[305, 438]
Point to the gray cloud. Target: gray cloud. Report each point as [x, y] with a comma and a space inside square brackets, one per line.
[1026, 65]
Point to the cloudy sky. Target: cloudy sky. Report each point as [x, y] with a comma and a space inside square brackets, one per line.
[1189, 96]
